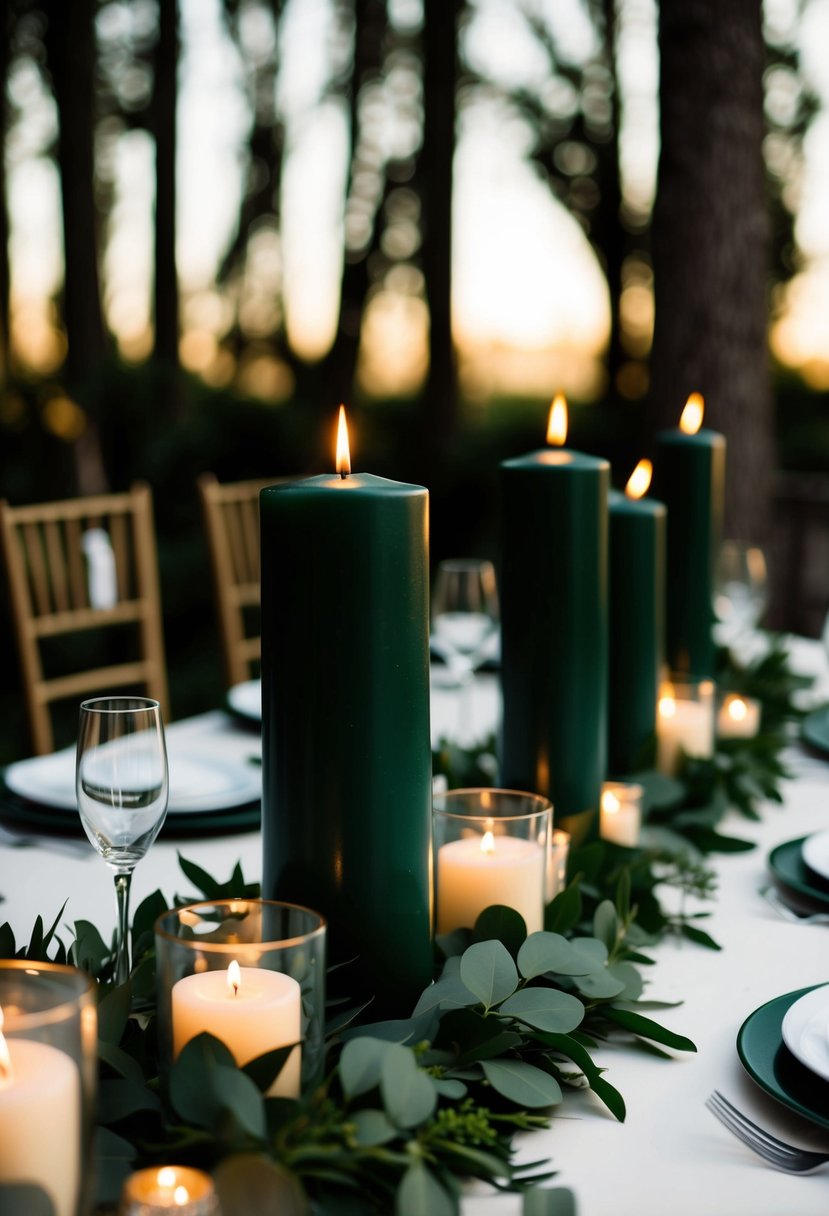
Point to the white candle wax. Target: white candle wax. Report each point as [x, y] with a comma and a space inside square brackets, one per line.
[40, 1121]
[683, 726]
[262, 1013]
[507, 870]
[739, 718]
[620, 816]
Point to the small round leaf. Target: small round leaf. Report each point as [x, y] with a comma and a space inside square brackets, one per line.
[545, 1009]
[521, 1083]
[488, 971]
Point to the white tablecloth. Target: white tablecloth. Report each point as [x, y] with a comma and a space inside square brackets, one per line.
[671, 1157]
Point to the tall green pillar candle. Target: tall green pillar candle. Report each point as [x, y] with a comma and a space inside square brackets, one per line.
[554, 630]
[346, 810]
[689, 477]
[637, 623]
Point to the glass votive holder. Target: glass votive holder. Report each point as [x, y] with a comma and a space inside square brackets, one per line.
[738, 717]
[251, 972]
[684, 722]
[491, 847]
[620, 813]
[48, 1067]
[557, 856]
[160, 1190]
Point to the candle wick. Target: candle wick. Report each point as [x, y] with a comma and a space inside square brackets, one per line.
[235, 989]
[343, 474]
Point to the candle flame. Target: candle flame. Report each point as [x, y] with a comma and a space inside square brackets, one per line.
[639, 480]
[181, 1195]
[487, 843]
[691, 418]
[166, 1177]
[234, 977]
[343, 450]
[557, 421]
[610, 802]
[736, 709]
[5, 1058]
[667, 702]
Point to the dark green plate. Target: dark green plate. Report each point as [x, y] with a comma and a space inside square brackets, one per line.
[792, 874]
[814, 730]
[769, 1062]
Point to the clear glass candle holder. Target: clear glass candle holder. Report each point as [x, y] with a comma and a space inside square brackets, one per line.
[48, 1067]
[557, 856]
[620, 813]
[491, 847]
[251, 972]
[684, 722]
[160, 1190]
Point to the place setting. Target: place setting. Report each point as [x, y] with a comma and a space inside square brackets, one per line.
[800, 872]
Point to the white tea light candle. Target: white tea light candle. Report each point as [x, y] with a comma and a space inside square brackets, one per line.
[40, 1120]
[739, 717]
[252, 1010]
[620, 817]
[684, 723]
[478, 871]
[170, 1188]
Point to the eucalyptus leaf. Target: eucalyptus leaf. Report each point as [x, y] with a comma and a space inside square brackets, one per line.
[544, 952]
[523, 1084]
[119, 1098]
[264, 1070]
[361, 1063]
[372, 1127]
[25, 1199]
[503, 924]
[113, 1012]
[591, 948]
[606, 924]
[409, 1095]
[89, 949]
[400, 1030]
[121, 1062]
[113, 1157]
[549, 1201]
[191, 1094]
[488, 971]
[448, 992]
[647, 1028]
[545, 1009]
[237, 1093]
[631, 979]
[565, 910]
[600, 985]
[449, 1088]
[420, 1194]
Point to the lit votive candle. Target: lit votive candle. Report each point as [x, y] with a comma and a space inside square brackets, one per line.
[40, 1112]
[170, 1188]
[739, 717]
[477, 871]
[620, 820]
[251, 1009]
[684, 723]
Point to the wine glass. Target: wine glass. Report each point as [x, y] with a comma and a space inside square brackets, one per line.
[740, 592]
[464, 614]
[121, 784]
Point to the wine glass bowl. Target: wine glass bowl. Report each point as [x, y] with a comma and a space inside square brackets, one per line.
[121, 782]
[741, 588]
[464, 614]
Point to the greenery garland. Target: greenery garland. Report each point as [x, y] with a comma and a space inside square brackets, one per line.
[410, 1108]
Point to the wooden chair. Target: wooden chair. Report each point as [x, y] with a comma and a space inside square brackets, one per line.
[55, 591]
[231, 518]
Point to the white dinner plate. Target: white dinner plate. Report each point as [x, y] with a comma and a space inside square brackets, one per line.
[816, 853]
[806, 1030]
[198, 782]
[246, 700]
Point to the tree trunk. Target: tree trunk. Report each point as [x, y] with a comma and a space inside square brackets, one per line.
[165, 346]
[70, 49]
[440, 70]
[710, 242]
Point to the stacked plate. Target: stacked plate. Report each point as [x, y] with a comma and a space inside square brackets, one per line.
[784, 1047]
[800, 869]
[208, 793]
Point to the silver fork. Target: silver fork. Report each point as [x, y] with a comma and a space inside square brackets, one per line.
[782, 909]
[779, 1154]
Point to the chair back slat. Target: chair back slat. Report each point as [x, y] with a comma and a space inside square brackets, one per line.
[231, 518]
[62, 578]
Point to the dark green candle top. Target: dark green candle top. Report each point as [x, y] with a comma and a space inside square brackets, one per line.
[560, 458]
[703, 438]
[618, 501]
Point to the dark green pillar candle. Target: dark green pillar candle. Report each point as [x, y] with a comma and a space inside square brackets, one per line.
[637, 629]
[689, 477]
[554, 630]
[346, 809]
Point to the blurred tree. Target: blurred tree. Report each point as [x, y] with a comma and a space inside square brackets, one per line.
[71, 61]
[165, 290]
[711, 241]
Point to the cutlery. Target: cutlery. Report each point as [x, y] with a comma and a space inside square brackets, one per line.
[776, 1152]
[782, 909]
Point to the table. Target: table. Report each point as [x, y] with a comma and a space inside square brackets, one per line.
[671, 1155]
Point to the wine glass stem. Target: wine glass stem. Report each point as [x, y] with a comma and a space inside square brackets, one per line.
[122, 957]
